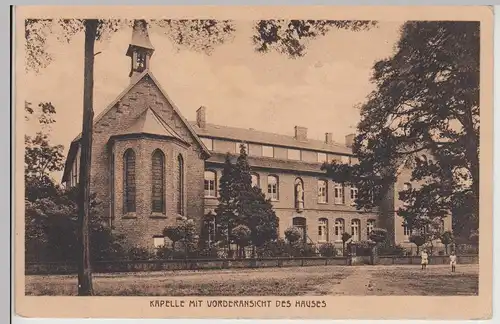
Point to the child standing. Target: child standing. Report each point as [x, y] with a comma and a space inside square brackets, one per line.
[453, 261]
[425, 259]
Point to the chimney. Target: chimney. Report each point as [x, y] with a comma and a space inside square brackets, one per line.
[300, 133]
[201, 119]
[349, 140]
[328, 138]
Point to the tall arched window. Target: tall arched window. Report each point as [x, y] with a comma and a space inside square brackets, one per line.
[355, 230]
[129, 181]
[272, 187]
[180, 185]
[158, 182]
[323, 230]
[339, 229]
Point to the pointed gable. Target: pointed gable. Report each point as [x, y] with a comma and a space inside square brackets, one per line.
[150, 123]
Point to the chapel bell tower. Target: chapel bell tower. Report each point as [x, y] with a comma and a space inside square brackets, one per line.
[140, 49]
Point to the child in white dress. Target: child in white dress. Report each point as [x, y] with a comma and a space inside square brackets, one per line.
[453, 261]
[425, 259]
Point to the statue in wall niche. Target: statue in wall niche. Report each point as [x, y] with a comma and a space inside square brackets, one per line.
[299, 197]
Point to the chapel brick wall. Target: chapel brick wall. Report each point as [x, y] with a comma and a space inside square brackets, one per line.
[139, 231]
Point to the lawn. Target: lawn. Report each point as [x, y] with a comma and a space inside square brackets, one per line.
[294, 281]
[257, 282]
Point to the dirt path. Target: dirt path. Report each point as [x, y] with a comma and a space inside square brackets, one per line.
[359, 282]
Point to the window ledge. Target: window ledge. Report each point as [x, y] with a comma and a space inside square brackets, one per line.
[323, 203]
[274, 200]
[130, 216]
[157, 215]
[210, 197]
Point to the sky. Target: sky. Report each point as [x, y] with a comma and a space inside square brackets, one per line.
[239, 87]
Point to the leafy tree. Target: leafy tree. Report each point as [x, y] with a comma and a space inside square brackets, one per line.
[173, 232]
[447, 239]
[426, 102]
[293, 235]
[378, 236]
[345, 237]
[262, 221]
[242, 236]
[418, 240]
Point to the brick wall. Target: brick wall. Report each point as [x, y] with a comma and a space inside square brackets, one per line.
[285, 206]
[140, 228]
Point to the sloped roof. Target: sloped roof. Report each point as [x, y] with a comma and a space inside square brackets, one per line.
[271, 163]
[255, 136]
[73, 147]
[140, 36]
[150, 123]
[174, 107]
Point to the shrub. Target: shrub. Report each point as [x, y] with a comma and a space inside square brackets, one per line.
[209, 253]
[293, 235]
[327, 250]
[277, 248]
[362, 248]
[390, 249]
[138, 253]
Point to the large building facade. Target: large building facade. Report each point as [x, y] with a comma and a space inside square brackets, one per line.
[150, 166]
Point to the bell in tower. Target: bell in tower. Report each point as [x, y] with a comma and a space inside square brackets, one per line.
[140, 49]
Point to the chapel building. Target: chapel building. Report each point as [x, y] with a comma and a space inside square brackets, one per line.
[150, 166]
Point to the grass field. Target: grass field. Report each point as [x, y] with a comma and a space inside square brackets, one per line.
[318, 280]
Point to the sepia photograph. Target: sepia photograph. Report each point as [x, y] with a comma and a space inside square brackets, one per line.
[251, 157]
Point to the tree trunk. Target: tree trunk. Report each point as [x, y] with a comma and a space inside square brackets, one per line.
[84, 267]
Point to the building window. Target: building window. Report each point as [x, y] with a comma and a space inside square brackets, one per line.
[322, 191]
[272, 187]
[322, 157]
[210, 184]
[158, 241]
[238, 147]
[294, 154]
[338, 194]
[180, 185]
[323, 230]
[158, 183]
[300, 224]
[268, 151]
[354, 195]
[355, 230]
[339, 229]
[129, 181]
[406, 231]
[441, 226]
[370, 225]
[345, 159]
[255, 180]
[209, 143]
[407, 186]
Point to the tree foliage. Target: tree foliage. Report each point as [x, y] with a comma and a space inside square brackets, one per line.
[293, 235]
[424, 115]
[288, 37]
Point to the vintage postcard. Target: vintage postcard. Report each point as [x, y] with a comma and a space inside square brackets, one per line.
[254, 162]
